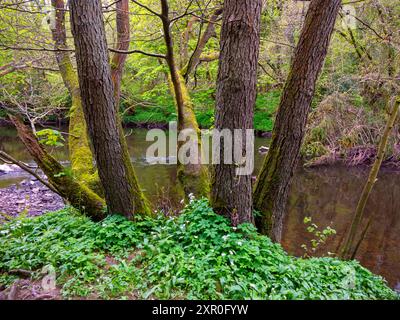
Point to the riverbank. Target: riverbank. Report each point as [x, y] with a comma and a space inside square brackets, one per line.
[197, 255]
[21, 193]
[28, 197]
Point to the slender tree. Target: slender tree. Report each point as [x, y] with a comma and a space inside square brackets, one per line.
[193, 176]
[123, 40]
[350, 246]
[236, 94]
[195, 59]
[272, 186]
[122, 191]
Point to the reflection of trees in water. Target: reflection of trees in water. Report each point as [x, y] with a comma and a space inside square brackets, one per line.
[329, 196]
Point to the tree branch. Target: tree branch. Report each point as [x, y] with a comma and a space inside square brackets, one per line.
[147, 8]
[156, 55]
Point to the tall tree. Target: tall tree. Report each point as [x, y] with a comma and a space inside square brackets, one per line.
[236, 94]
[79, 150]
[121, 188]
[272, 186]
[193, 176]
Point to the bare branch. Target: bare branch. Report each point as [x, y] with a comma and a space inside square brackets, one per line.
[147, 8]
[156, 55]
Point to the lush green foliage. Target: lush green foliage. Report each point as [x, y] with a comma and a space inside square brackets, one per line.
[157, 107]
[50, 137]
[195, 255]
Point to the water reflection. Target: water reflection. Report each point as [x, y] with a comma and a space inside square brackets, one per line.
[329, 196]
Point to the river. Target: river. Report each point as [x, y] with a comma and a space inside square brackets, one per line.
[329, 195]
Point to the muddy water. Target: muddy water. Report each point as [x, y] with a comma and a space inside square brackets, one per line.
[328, 195]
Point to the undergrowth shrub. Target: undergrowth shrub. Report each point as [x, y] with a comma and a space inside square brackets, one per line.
[197, 255]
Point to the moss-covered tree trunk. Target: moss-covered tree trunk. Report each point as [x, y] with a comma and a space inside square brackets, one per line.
[236, 95]
[78, 142]
[122, 192]
[273, 183]
[77, 193]
[194, 177]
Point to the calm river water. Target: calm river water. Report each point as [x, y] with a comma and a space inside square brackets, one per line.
[329, 195]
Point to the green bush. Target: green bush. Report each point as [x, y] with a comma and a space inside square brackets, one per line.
[197, 255]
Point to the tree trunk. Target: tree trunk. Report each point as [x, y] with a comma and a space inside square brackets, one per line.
[184, 44]
[236, 95]
[122, 192]
[77, 193]
[123, 39]
[349, 249]
[194, 177]
[272, 187]
[208, 33]
[79, 148]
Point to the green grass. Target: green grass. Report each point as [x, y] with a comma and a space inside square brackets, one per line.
[197, 255]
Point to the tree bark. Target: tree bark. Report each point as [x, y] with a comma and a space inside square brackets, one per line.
[236, 94]
[122, 192]
[123, 39]
[349, 249]
[80, 154]
[272, 186]
[77, 193]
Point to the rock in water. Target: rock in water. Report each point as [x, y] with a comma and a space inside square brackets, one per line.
[6, 168]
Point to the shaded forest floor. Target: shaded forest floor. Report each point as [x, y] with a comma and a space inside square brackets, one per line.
[196, 255]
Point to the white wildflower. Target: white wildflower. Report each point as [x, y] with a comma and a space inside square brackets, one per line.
[191, 197]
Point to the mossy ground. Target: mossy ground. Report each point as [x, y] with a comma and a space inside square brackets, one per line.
[196, 255]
